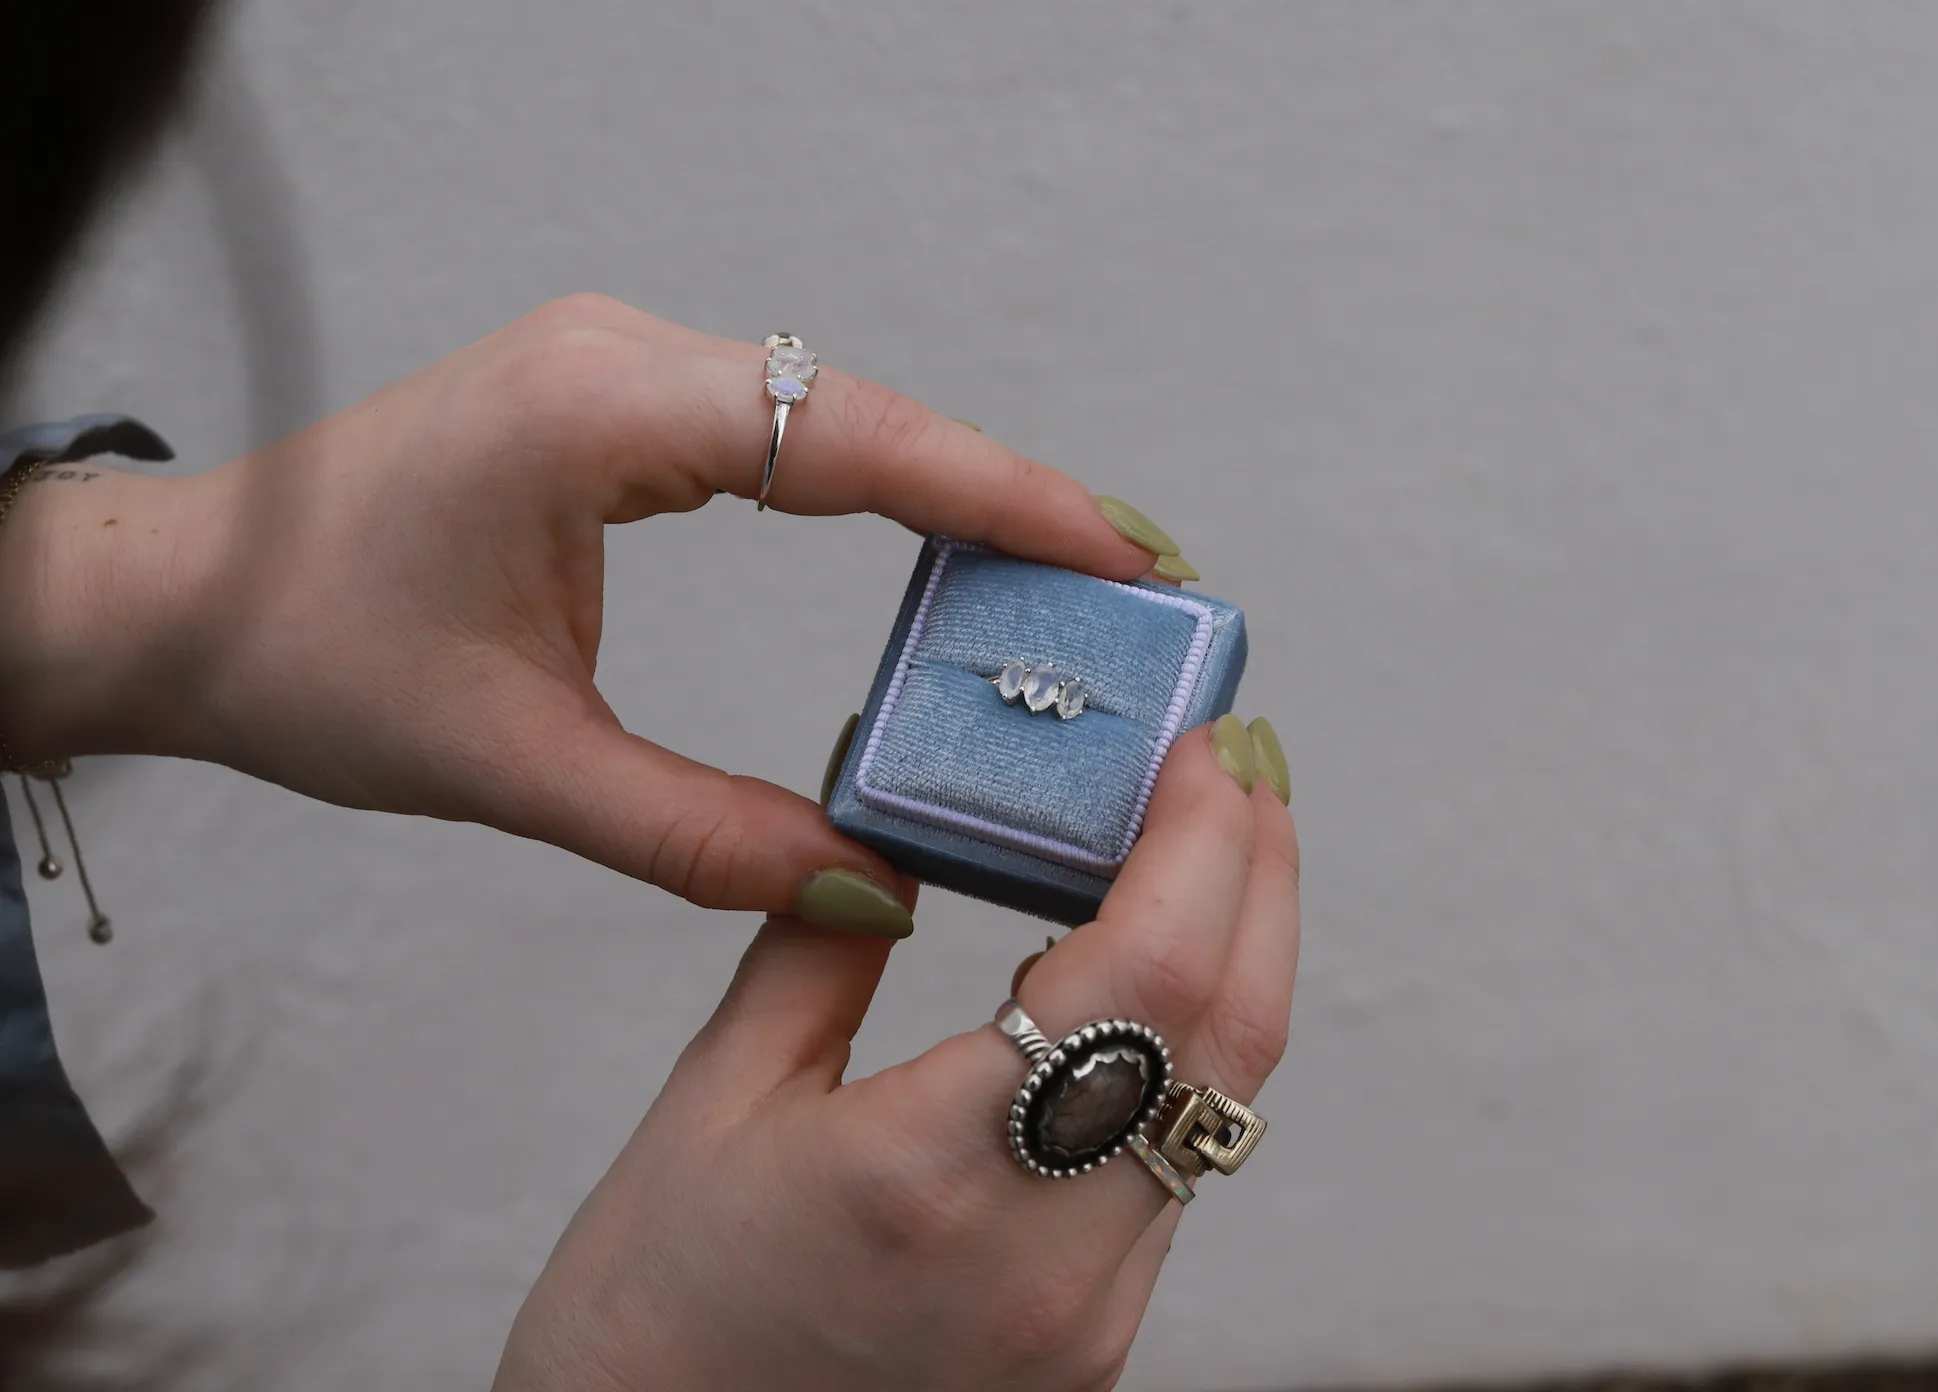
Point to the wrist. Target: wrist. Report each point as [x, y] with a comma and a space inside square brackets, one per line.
[104, 638]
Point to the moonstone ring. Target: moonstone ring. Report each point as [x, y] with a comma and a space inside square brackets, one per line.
[1042, 687]
[790, 370]
[1087, 1096]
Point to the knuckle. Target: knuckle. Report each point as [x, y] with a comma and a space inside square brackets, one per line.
[1102, 1367]
[889, 423]
[699, 858]
[1173, 979]
[583, 309]
[1026, 476]
[1231, 819]
[1283, 852]
[1198, 791]
[1046, 1320]
[565, 371]
[912, 1198]
[1249, 1039]
[1104, 1356]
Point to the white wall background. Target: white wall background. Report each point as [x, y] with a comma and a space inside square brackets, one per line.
[1552, 383]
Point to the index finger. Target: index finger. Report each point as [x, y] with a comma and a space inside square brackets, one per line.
[858, 446]
[854, 445]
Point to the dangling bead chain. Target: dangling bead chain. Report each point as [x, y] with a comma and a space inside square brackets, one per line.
[100, 928]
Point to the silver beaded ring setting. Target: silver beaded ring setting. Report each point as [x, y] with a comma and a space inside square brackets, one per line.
[1086, 1095]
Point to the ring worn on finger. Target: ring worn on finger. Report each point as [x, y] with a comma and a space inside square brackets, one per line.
[790, 371]
[1091, 1096]
[1204, 1130]
[1086, 1095]
[1200, 1129]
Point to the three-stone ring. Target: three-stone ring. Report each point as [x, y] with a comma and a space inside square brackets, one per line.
[790, 371]
[1086, 1096]
[1041, 687]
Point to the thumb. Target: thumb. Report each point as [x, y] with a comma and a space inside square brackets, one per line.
[715, 839]
[792, 1011]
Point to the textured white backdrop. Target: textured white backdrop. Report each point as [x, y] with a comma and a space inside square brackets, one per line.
[1553, 385]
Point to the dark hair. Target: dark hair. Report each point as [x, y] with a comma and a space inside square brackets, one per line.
[84, 84]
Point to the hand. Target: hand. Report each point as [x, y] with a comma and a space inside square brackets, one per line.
[771, 1227]
[400, 608]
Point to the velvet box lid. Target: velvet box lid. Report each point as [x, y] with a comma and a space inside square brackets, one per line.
[961, 789]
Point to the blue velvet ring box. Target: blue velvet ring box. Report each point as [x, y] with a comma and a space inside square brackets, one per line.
[963, 790]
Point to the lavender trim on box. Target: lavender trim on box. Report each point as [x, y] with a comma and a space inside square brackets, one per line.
[1047, 847]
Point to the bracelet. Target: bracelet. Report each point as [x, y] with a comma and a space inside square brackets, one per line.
[17, 478]
[26, 452]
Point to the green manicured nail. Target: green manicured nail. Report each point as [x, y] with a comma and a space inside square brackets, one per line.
[971, 424]
[1232, 743]
[848, 902]
[840, 755]
[1134, 527]
[1175, 568]
[1269, 755]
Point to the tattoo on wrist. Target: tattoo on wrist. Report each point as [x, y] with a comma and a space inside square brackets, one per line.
[46, 475]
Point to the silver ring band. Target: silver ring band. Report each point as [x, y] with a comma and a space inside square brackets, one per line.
[790, 371]
[773, 454]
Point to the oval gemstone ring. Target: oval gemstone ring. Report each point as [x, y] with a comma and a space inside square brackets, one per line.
[1086, 1096]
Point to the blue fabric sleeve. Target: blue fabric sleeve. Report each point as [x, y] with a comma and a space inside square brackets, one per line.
[60, 1189]
[82, 438]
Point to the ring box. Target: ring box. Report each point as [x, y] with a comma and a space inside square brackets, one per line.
[962, 789]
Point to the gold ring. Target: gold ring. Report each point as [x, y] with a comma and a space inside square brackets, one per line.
[1203, 1129]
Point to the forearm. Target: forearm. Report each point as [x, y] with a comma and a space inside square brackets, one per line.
[103, 579]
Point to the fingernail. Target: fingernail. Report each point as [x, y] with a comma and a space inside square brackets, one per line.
[1232, 743]
[1269, 755]
[849, 902]
[1175, 568]
[1134, 527]
[971, 424]
[839, 757]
